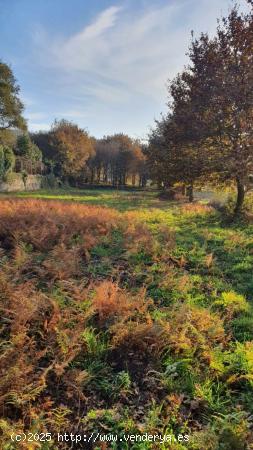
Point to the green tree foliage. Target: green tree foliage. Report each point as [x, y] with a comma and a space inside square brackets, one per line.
[7, 160]
[11, 108]
[27, 149]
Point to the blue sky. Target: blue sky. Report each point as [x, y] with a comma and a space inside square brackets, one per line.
[102, 64]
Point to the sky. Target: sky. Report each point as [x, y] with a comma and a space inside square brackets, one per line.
[102, 64]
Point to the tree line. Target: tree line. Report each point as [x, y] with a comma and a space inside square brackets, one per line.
[77, 158]
[15, 141]
[207, 134]
[68, 152]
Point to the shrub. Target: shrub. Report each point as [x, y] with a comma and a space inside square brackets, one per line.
[193, 331]
[186, 332]
[114, 304]
[231, 304]
[12, 177]
[196, 209]
[26, 148]
[227, 432]
[7, 161]
[240, 363]
[50, 181]
[45, 225]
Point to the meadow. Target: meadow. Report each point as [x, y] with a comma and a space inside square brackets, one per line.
[125, 314]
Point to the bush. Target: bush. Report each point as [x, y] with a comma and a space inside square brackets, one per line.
[196, 208]
[12, 177]
[240, 363]
[7, 161]
[50, 181]
[26, 148]
[231, 304]
[227, 432]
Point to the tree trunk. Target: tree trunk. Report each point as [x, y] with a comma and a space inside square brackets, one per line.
[92, 176]
[190, 193]
[166, 185]
[98, 175]
[105, 175]
[240, 197]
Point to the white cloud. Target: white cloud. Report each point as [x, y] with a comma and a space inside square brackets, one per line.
[123, 59]
[81, 50]
[75, 114]
[38, 126]
[103, 22]
[35, 116]
[130, 53]
[36, 120]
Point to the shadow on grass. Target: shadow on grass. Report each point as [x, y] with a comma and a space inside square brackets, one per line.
[230, 247]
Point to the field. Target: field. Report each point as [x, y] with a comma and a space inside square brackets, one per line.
[124, 314]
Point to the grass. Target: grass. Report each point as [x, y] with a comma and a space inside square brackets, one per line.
[127, 320]
[122, 200]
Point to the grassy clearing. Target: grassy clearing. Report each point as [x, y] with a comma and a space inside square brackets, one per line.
[126, 322]
[122, 200]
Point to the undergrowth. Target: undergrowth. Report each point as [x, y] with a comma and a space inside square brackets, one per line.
[125, 323]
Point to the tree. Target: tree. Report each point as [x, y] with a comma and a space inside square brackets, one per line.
[7, 161]
[27, 149]
[127, 159]
[11, 107]
[122, 158]
[137, 166]
[235, 99]
[209, 128]
[43, 140]
[99, 163]
[71, 153]
[160, 154]
[222, 71]
[8, 138]
[189, 127]
[117, 158]
[71, 148]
